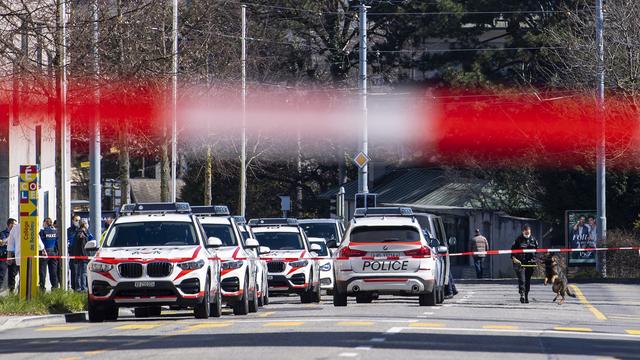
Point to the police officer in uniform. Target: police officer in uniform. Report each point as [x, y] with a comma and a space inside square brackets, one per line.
[4, 238]
[524, 263]
[49, 236]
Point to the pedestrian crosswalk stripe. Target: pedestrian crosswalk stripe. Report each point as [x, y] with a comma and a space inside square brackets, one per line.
[61, 328]
[137, 326]
[633, 332]
[355, 323]
[419, 324]
[285, 323]
[498, 327]
[579, 329]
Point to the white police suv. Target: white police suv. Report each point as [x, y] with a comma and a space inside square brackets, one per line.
[240, 268]
[263, 286]
[292, 263]
[154, 254]
[325, 262]
[384, 252]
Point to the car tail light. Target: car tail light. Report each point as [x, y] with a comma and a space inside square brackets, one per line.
[349, 252]
[422, 251]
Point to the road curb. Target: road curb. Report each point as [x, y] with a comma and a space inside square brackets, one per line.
[39, 320]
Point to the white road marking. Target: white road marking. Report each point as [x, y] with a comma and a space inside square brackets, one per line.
[348, 354]
[378, 340]
[514, 331]
[395, 330]
[427, 313]
[363, 348]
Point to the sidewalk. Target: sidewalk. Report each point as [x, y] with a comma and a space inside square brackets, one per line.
[17, 321]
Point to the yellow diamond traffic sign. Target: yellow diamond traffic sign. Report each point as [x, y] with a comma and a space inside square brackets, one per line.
[361, 159]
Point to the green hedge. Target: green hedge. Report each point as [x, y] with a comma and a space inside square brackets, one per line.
[55, 302]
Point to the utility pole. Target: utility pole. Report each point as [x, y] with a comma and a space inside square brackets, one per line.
[243, 140]
[95, 191]
[363, 172]
[63, 184]
[601, 174]
[174, 102]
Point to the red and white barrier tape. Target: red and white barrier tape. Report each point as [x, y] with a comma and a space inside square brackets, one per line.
[289, 259]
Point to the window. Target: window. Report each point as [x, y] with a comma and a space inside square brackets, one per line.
[152, 233]
[280, 240]
[221, 231]
[324, 250]
[321, 230]
[384, 234]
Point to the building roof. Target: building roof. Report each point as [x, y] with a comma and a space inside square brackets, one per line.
[420, 186]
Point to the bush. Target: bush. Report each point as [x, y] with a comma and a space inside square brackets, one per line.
[55, 302]
[623, 264]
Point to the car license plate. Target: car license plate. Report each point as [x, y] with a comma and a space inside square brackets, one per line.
[384, 255]
[140, 284]
[269, 277]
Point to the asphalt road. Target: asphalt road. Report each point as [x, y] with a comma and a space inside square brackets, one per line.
[484, 321]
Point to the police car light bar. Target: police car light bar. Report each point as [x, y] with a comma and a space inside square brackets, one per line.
[214, 210]
[383, 211]
[239, 219]
[150, 208]
[273, 222]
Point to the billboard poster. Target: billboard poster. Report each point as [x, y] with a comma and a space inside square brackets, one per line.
[28, 192]
[581, 233]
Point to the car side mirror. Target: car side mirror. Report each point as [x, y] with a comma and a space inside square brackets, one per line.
[434, 243]
[332, 244]
[91, 245]
[315, 248]
[452, 241]
[214, 242]
[442, 249]
[263, 250]
[251, 243]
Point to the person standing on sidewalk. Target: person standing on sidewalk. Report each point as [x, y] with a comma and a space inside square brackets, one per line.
[71, 235]
[13, 250]
[524, 263]
[478, 243]
[49, 236]
[4, 263]
[80, 265]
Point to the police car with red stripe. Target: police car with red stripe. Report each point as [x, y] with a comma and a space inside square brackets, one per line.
[154, 254]
[240, 268]
[292, 262]
[384, 252]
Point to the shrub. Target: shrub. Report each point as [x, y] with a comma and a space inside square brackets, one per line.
[55, 302]
[626, 263]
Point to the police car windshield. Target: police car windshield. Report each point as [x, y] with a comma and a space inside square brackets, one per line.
[320, 230]
[152, 233]
[324, 251]
[221, 231]
[384, 234]
[280, 240]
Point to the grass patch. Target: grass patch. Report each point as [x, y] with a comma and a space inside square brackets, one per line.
[55, 302]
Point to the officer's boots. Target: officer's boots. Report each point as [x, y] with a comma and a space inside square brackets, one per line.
[526, 298]
[522, 298]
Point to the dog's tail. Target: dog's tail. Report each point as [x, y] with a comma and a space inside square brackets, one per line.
[570, 292]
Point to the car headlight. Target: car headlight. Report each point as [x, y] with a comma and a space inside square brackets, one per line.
[228, 265]
[299, 264]
[191, 265]
[100, 267]
[326, 267]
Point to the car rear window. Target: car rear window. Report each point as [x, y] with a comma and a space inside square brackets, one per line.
[321, 230]
[384, 234]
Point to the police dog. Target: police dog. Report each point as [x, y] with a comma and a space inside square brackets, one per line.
[555, 275]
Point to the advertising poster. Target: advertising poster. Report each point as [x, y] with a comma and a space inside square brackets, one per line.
[29, 185]
[581, 233]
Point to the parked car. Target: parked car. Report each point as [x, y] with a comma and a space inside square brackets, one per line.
[326, 264]
[433, 227]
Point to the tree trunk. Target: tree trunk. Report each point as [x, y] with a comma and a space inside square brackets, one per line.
[123, 163]
[208, 176]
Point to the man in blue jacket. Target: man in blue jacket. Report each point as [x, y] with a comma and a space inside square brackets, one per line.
[49, 236]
